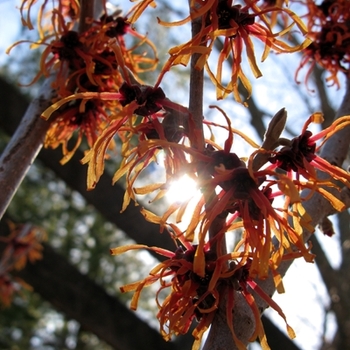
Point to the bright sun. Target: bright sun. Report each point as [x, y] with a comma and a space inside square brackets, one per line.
[182, 189]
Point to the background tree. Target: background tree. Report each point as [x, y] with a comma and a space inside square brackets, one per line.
[125, 222]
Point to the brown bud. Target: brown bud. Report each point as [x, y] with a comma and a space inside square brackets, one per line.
[271, 137]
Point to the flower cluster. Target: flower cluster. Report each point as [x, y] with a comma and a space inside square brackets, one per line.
[96, 59]
[298, 157]
[236, 25]
[328, 27]
[261, 203]
[197, 297]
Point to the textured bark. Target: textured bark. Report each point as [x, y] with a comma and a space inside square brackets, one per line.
[24, 145]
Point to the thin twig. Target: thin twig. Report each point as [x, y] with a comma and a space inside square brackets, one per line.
[196, 110]
[86, 14]
[196, 92]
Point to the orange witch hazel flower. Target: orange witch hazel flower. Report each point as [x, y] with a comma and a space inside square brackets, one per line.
[193, 298]
[189, 297]
[329, 28]
[95, 61]
[70, 9]
[237, 25]
[22, 244]
[299, 160]
[155, 130]
[138, 110]
[248, 199]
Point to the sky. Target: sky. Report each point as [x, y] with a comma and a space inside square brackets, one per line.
[9, 26]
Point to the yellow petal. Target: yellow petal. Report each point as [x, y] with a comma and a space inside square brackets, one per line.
[151, 217]
[287, 186]
[126, 248]
[148, 189]
[336, 203]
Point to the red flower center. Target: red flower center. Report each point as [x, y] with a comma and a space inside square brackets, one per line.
[228, 16]
[292, 157]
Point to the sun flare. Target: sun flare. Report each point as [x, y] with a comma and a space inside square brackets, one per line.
[182, 189]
